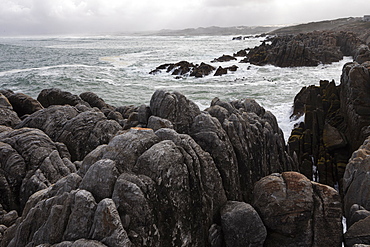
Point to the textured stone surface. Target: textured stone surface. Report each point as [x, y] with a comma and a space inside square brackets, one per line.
[81, 132]
[55, 96]
[241, 225]
[297, 212]
[176, 108]
[356, 180]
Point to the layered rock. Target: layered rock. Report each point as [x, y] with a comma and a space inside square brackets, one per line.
[241, 225]
[336, 123]
[8, 116]
[80, 131]
[298, 212]
[304, 49]
[30, 161]
[23, 104]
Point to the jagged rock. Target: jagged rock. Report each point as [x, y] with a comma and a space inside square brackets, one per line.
[223, 58]
[298, 212]
[55, 96]
[107, 226]
[241, 225]
[8, 219]
[185, 68]
[144, 114]
[356, 180]
[333, 138]
[252, 130]
[175, 107]
[241, 53]
[30, 162]
[304, 49]
[358, 233]
[157, 123]
[220, 71]
[94, 100]
[131, 195]
[81, 132]
[355, 102]
[124, 149]
[23, 104]
[100, 179]
[321, 140]
[202, 70]
[356, 214]
[8, 116]
[362, 54]
[209, 134]
[196, 192]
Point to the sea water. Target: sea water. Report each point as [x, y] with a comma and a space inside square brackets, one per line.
[117, 68]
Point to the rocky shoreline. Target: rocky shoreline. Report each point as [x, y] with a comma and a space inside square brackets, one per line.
[76, 171]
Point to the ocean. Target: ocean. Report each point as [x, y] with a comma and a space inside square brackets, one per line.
[117, 68]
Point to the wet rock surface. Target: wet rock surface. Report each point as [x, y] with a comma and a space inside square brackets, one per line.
[305, 49]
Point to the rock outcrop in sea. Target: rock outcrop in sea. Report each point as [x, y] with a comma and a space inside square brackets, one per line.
[304, 49]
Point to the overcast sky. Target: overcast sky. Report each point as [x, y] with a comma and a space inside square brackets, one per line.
[24, 17]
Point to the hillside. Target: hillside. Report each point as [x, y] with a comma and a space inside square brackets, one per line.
[351, 24]
[238, 30]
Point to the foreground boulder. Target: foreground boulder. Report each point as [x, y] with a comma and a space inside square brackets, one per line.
[298, 212]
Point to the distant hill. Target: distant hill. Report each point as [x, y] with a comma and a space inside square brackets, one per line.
[351, 24]
[210, 31]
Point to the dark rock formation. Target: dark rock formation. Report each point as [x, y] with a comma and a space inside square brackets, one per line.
[241, 53]
[176, 108]
[8, 116]
[157, 123]
[358, 233]
[336, 123]
[298, 212]
[362, 54]
[222, 71]
[356, 180]
[223, 58]
[257, 143]
[241, 225]
[304, 49]
[355, 102]
[23, 104]
[185, 68]
[30, 161]
[81, 132]
[55, 96]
